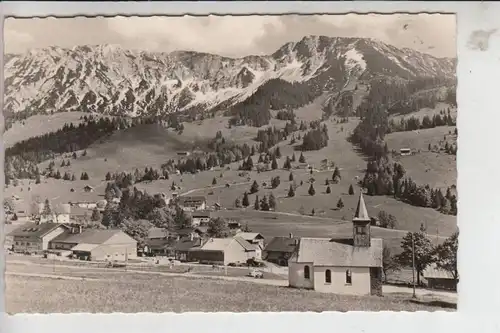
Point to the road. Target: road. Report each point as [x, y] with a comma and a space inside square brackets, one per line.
[386, 289]
[211, 187]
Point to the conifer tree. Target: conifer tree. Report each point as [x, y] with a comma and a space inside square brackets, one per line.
[351, 190]
[311, 191]
[274, 164]
[256, 205]
[287, 165]
[340, 204]
[302, 159]
[254, 188]
[245, 201]
[264, 204]
[272, 201]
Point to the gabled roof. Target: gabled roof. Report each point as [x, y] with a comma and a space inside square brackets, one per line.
[157, 233]
[185, 245]
[282, 244]
[248, 236]
[361, 212]
[217, 244]
[192, 198]
[200, 213]
[159, 243]
[35, 230]
[328, 252]
[89, 236]
[433, 272]
[246, 245]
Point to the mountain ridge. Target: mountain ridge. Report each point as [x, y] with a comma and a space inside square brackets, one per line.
[110, 79]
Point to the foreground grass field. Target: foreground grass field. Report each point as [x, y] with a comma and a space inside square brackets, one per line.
[118, 292]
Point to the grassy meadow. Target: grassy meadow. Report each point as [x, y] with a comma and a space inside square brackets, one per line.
[151, 145]
[116, 291]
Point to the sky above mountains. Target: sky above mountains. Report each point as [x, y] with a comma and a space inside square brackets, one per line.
[231, 36]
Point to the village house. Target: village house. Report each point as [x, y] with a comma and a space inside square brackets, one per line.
[88, 188]
[35, 238]
[344, 266]
[96, 245]
[224, 251]
[439, 278]
[192, 203]
[405, 151]
[157, 242]
[200, 217]
[280, 249]
[181, 250]
[256, 239]
[84, 204]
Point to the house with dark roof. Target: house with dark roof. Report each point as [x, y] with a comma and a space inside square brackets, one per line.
[96, 245]
[34, 238]
[438, 278]
[182, 248]
[280, 249]
[223, 251]
[200, 217]
[192, 203]
[340, 266]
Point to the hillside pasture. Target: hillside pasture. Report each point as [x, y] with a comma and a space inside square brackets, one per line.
[202, 130]
[430, 112]
[39, 125]
[436, 169]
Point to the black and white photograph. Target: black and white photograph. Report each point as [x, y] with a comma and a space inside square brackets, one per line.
[251, 163]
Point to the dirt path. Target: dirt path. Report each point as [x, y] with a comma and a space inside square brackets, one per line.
[420, 292]
[53, 276]
[190, 275]
[211, 187]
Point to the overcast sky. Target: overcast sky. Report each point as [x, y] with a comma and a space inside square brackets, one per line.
[231, 36]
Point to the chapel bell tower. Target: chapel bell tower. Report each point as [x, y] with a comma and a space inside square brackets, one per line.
[361, 225]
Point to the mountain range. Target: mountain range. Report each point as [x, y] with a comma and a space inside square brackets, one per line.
[111, 80]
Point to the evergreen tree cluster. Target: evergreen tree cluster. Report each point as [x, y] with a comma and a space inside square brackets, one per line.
[271, 136]
[265, 204]
[383, 177]
[414, 123]
[21, 159]
[275, 94]
[126, 179]
[370, 133]
[315, 139]
[286, 115]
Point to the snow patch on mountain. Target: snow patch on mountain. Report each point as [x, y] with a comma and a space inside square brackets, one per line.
[110, 79]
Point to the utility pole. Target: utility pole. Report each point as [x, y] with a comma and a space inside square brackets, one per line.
[126, 258]
[413, 263]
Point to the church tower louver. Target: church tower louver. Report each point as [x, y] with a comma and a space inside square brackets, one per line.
[361, 225]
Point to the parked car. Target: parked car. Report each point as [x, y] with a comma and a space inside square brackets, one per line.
[256, 274]
[116, 265]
